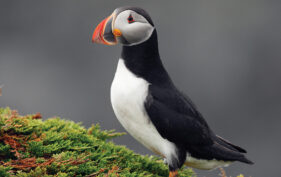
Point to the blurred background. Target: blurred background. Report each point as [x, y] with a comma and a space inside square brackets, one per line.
[226, 55]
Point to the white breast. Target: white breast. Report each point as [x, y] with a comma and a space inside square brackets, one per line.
[128, 94]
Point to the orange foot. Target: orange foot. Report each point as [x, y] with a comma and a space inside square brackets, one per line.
[173, 174]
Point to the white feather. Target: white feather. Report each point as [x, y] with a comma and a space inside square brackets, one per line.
[128, 94]
[135, 33]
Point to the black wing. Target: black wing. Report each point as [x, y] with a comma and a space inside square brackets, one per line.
[176, 118]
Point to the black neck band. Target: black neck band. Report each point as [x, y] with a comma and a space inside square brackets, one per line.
[144, 61]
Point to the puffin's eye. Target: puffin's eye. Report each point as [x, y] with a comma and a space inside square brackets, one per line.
[130, 19]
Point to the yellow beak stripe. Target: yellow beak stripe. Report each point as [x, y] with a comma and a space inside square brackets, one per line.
[117, 32]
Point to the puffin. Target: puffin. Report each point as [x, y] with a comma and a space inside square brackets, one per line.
[150, 107]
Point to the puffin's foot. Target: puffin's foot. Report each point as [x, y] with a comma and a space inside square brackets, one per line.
[173, 174]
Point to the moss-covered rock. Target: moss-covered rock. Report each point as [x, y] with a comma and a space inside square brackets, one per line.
[31, 147]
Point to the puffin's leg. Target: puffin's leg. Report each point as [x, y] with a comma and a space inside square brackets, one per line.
[173, 173]
[175, 162]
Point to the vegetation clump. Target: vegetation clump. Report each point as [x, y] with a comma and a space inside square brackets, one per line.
[31, 147]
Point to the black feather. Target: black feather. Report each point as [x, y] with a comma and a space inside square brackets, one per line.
[228, 144]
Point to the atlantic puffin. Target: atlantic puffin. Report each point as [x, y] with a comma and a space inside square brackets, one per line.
[150, 107]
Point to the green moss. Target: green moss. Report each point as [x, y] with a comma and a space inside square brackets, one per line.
[31, 147]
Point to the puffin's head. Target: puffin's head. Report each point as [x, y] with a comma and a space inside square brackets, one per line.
[126, 25]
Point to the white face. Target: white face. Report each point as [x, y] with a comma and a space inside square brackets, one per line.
[134, 27]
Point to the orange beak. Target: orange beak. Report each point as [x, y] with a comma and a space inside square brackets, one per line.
[103, 32]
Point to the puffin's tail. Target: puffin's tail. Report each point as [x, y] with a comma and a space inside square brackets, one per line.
[229, 145]
[224, 150]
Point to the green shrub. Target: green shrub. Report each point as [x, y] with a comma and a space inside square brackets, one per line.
[31, 147]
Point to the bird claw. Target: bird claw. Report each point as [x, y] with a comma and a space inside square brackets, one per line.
[173, 174]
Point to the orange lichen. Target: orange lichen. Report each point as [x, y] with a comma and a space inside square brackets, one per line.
[24, 164]
[37, 116]
[223, 173]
